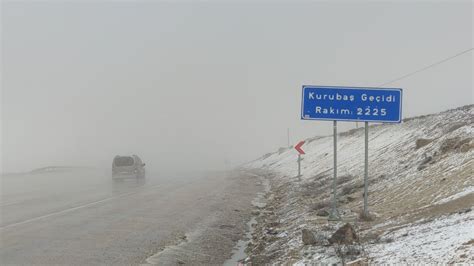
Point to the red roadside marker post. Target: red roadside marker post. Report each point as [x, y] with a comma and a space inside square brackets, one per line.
[300, 152]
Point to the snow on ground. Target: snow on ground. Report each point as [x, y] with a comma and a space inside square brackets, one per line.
[419, 170]
[432, 242]
[465, 192]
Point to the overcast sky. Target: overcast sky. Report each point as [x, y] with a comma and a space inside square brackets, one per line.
[187, 85]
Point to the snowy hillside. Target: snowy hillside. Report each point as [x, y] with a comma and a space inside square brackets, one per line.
[421, 193]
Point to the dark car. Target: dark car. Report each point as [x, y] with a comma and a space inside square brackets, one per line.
[128, 166]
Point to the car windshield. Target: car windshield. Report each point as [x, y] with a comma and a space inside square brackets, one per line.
[123, 161]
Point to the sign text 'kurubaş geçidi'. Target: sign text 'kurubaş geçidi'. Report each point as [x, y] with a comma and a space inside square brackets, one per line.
[351, 104]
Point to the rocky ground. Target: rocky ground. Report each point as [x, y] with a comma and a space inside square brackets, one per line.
[421, 197]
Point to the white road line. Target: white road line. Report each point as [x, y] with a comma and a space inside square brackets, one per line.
[74, 208]
[12, 203]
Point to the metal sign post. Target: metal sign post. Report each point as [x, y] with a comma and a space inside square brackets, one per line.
[299, 165]
[359, 104]
[334, 215]
[366, 168]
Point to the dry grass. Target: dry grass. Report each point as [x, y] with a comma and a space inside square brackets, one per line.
[366, 217]
[320, 205]
[344, 179]
[456, 126]
[351, 188]
[422, 142]
[371, 237]
[454, 144]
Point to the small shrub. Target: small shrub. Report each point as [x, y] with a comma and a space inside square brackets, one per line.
[448, 145]
[465, 141]
[424, 163]
[351, 188]
[388, 240]
[470, 242]
[353, 250]
[456, 126]
[350, 132]
[322, 213]
[347, 190]
[414, 118]
[376, 180]
[350, 199]
[282, 150]
[349, 252]
[312, 139]
[320, 176]
[344, 179]
[371, 237]
[320, 205]
[453, 144]
[366, 217]
[466, 147]
[314, 188]
[422, 142]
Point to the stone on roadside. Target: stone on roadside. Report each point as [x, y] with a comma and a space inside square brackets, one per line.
[422, 142]
[344, 235]
[308, 237]
[272, 231]
[466, 147]
[322, 213]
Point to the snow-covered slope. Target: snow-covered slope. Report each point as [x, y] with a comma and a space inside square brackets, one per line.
[421, 177]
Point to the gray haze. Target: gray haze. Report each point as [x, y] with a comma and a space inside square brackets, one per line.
[190, 85]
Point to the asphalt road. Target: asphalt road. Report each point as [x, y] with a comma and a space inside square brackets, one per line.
[82, 217]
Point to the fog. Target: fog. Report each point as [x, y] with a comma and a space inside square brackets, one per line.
[191, 86]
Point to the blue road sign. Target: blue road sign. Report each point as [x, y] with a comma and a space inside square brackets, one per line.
[351, 104]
